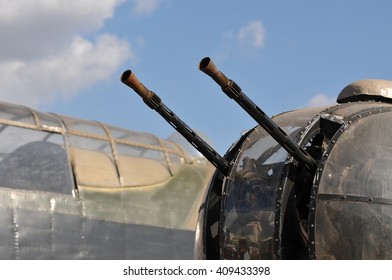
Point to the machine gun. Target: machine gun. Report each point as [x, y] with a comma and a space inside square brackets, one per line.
[233, 91]
[155, 103]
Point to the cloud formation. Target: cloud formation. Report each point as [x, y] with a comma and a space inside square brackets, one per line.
[321, 100]
[248, 38]
[77, 66]
[252, 35]
[44, 54]
[145, 7]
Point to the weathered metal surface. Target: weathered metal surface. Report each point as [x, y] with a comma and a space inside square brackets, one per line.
[372, 89]
[44, 226]
[271, 209]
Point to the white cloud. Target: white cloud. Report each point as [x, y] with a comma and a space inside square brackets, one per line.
[79, 65]
[29, 28]
[43, 54]
[145, 7]
[248, 38]
[252, 35]
[23, 11]
[321, 100]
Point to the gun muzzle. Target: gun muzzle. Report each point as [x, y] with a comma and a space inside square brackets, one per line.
[155, 102]
[233, 91]
[207, 66]
[130, 80]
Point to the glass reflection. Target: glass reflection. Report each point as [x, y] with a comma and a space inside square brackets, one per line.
[251, 198]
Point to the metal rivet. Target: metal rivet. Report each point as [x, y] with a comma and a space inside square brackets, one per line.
[344, 197]
[370, 199]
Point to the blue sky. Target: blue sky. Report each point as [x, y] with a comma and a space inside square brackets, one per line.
[66, 56]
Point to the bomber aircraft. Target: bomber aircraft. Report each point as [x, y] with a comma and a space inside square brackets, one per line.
[312, 183]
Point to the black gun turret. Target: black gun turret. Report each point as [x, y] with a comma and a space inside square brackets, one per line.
[155, 103]
[233, 91]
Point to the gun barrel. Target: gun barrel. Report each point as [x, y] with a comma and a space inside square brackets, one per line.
[233, 91]
[129, 78]
[155, 103]
[207, 66]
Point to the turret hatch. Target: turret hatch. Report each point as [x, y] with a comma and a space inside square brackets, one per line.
[379, 90]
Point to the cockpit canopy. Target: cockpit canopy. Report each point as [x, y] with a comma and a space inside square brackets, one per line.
[53, 152]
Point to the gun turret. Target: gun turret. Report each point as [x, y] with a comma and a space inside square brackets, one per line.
[155, 103]
[233, 91]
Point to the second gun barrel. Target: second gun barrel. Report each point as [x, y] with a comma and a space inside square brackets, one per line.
[233, 91]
